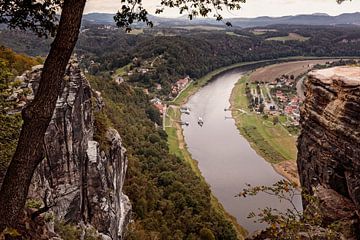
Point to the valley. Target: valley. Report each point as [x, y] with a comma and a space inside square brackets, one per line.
[157, 132]
[201, 147]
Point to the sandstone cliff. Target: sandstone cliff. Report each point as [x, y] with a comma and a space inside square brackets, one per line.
[329, 145]
[79, 181]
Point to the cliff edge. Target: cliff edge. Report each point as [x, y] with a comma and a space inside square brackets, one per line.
[329, 145]
[77, 181]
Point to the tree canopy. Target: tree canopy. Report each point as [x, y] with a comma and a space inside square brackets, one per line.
[42, 17]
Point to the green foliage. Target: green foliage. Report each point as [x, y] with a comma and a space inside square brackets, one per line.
[33, 203]
[15, 63]
[11, 64]
[68, 231]
[11, 232]
[292, 223]
[169, 200]
[206, 234]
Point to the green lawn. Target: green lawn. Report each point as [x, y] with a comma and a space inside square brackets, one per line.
[122, 71]
[290, 37]
[273, 142]
[237, 35]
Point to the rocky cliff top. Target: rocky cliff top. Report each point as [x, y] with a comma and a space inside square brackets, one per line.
[347, 76]
[329, 145]
[81, 183]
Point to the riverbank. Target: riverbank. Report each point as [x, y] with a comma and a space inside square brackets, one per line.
[272, 142]
[194, 86]
[177, 146]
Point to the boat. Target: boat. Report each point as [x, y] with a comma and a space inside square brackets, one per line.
[200, 122]
[185, 123]
[185, 110]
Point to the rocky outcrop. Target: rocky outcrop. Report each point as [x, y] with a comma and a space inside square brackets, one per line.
[79, 181]
[329, 145]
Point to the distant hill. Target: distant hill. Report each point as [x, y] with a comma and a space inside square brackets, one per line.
[310, 19]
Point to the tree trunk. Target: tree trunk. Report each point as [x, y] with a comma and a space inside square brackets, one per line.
[37, 116]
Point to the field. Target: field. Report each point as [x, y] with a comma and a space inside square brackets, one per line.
[237, 35]
[194, 86]
[136, 31]
[272, 142]
[260, 31]
[201, 27]
[290, 37]
[270, 73]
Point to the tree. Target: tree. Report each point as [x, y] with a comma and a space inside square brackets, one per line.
[292, 223]
[275, 120]
[41, 18]
[261, 108]
[29, 151]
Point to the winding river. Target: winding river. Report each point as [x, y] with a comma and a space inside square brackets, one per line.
[225, 158]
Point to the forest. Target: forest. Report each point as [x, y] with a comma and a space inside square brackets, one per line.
[192, 52]
[168, 198]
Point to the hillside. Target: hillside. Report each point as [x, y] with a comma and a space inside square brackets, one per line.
[169, 200]
[168, 54]
[305, 19]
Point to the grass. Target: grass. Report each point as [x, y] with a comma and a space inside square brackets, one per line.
[235, 34]
[136, 31]
[266, 140]
[122, 71]
[290, 37]
[201, 27]
[194, 86]
[178, 147]
[273, 142]
[259, 32]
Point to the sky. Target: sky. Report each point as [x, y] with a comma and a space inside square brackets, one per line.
[252, 8]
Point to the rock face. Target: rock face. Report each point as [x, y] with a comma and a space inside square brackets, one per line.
[82, 183]
[329, 145]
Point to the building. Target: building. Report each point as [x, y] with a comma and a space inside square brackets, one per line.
[182, 83]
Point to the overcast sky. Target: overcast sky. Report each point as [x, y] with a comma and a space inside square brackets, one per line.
[252, 8]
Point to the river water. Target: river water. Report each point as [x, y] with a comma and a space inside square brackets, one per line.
[225, 158]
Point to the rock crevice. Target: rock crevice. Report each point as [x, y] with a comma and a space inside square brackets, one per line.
[81, 182]
[329, 145]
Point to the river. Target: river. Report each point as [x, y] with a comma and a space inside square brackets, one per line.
[225, 158]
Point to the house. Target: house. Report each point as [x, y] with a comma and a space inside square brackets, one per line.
[295, 101]
[181, 84]
[160, 107]
[155, 101]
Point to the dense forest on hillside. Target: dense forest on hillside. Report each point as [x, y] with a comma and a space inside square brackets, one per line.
[11, 65]
[169, 200]
[194, 52]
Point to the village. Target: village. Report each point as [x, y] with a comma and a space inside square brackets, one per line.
[139, 70]
[278, 98]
